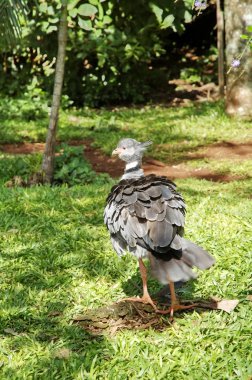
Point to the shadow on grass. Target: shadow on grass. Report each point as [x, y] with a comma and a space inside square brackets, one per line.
[71, 350]
[133, 287]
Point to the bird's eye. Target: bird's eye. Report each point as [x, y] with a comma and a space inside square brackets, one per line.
[124, 147]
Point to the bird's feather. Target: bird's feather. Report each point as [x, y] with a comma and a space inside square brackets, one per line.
[148, 210]
[145, 215]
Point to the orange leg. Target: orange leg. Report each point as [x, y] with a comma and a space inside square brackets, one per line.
[175, 305]
[146, 298]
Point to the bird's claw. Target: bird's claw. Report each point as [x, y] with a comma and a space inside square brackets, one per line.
[145, 299]
[176, 307]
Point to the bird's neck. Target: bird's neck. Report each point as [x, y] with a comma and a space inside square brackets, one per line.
[133, 170]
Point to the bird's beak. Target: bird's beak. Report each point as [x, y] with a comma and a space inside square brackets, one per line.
[116, 151]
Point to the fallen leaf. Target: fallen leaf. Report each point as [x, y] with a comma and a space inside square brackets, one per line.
[63, 353]
[13, 231]
[227, 305]
[11, 331]
[54, 314]
[249, 297]
[79, 318]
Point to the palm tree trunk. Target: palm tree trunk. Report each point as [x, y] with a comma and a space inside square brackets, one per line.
[48, 158]
[238, 14]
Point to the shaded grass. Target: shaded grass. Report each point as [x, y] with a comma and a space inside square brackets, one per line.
[57, 261]
[173, 130]
[19, 165]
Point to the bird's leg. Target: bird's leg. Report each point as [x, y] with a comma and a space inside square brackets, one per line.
[146, 298]
[175, 304]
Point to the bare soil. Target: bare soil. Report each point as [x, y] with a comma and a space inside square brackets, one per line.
[135, 315]
[104, 164]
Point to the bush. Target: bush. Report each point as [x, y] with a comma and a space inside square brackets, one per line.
[72, 168]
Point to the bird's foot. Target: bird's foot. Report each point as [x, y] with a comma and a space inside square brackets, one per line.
[176, 307]
[146, 299]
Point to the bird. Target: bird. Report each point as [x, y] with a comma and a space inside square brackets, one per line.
[145, 216]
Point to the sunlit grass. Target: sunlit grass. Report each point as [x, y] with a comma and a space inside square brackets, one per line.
[173, 130]
[57, 261]
[241, 168]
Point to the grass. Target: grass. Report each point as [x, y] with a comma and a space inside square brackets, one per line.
[241, 168]
[56, 259]
[174, 131]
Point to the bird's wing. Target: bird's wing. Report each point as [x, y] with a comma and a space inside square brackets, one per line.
[148, 212]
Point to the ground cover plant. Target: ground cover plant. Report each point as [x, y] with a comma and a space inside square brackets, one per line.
[57, 261]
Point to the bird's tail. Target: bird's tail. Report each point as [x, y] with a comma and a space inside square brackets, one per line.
[181, 269]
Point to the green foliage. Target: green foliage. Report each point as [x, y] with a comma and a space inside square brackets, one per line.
[190, 75]
[72, 168]
[248, 37]
[12, 13]
[32, 106]
[19, 165]
[113, 46]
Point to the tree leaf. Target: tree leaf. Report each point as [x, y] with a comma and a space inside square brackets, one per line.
[244, 37]
[85, 24]
[43, 7]
[249, 28]
[187, 16]
[87, 10]
[168, 21]
[50, 10]
[73, 12]
[72, 4]
[51, 28]
[157, 11]
[107, 20]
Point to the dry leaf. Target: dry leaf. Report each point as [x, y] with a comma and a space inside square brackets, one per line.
[63, 353]
[54, 314]
[11, 331]
[249, 297]
[227, 305]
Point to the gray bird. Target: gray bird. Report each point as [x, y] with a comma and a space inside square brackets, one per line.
[145, 216]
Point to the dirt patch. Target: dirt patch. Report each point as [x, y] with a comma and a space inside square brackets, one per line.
[114, 167]
[180, 171]
[135, 315]
[22, 148]
[225, 149]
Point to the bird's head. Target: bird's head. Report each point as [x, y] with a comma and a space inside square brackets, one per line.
[130, 150]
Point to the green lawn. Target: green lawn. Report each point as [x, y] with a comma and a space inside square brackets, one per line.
[173, 131]
[56, 260]
[56, 257]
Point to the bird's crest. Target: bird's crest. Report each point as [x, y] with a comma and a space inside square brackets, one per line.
[144, 145]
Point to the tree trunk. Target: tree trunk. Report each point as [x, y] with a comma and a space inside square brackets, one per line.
[48, 158]
[220, 44]
[238, 15]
